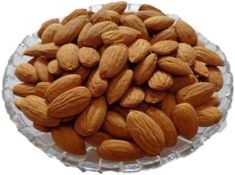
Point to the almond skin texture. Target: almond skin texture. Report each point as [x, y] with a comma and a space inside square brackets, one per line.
[96, 84]
[91, 119]
[67, 139]
[156, 23]
[70, 31]
[160, 80]
[119, 150]
[207, 56]
[115, 125]
[70, 103]
[182, 81]
[24, 89]
[213, 101]
[200, 69]
[165, 47]
[167, 34]
[215, 76]
[186, 53]
[145, 14]
[139, 50]
[42, 128]
[208, 115]
[174, 66]
[165, 123]
[74, 14]
[195, 94]
[185, 119]
[35, 109]
[46, 24]
[145, 132]
[150, 7]
[153, 97]
[133, 97]
[97, 138]
[118, 86]
[106, 15]
[185, 32]
[26, 73]
[83, 72]
[120, 110]
[168, 103]
[144, 70]
[67, 57]
[47, 50]
[49, 33]
[119, 6]
[113, 60]
[54, 68]
[42, 71]
[62, 85]
[88, 56]
[136, 23]
[41, 88]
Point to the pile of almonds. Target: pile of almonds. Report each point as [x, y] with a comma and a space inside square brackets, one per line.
[127, 83]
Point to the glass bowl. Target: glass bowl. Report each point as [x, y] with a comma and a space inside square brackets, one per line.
[90, 161]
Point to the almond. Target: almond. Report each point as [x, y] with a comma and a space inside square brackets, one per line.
[136, 23]
[185, 119]
[49, 33]
[145, 14]
[96, 84]
[47, 50]
[160, 81]
[67, 57]
[186, 53]
[185, 32]
[156, 23]
[182, 81]
[139, 50]
[122, 35]
[145, 132]
[118, 86]
[133, 97]
[70, 103]
[42, 71]
[119, 6]
[26, 73]
[74, 14]
[174, 66]
[106, 15]
[195, 94]
[24, 89]
[54, 68]
[83, 34]
[93, 34]
[62, 85]
[97, 138]
[35, 109]
[41, 128]
[41, 88]
[167, 34]
[213, 101]
[165, 123]
[18, 102]
[207, 56]
[208, 115]
[70, 31]
[91, 119]
[150, 7]
[46, 24]
[200, 69]
[153, 97]
[67, 139]
[123, 150]
[168, 103]
[215, 76]
[88, 56]
[83, 72]
[113, 60]
[115, 125]
[144, 70]
[165, 47]
[120, 110]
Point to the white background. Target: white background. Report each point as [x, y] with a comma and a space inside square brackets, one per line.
[214, 19]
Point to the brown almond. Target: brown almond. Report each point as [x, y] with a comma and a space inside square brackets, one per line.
[153, 97]
[168, 103]
[83, 34]
[74, 14]
[83, 72]
[46, 24]
[110, 67]
[26, 73]
[150, 7]
[97, 138]
[49, 33]
[145, 132]
[118, 86]
[139, 50]
[200, 69]
[54, 68]
[88, 56]
[70, 103]
[213, 101]
[119, 6]
[24, 89]
[145, 14]
[185, 119]
[215, 76]
[41, 89]
[42, 128]
[120, 110]
[164, 47]
[106, 15]
[167, 34]
[144, 69]
[156, 23]
[186, 53]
